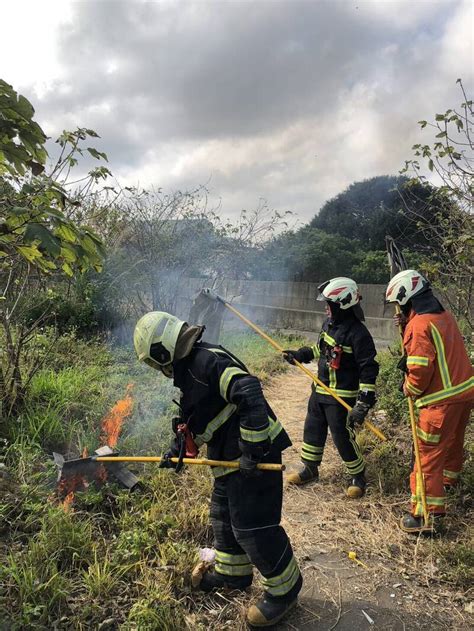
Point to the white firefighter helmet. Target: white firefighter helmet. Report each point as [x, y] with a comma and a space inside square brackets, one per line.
[405, 285]
[155, 337]
[341, 291]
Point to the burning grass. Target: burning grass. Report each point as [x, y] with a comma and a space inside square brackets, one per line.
[124, 559]
[105, 554]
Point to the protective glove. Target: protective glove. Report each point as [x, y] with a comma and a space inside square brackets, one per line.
[402, 364]
[251, 456]
[302, 355]
[173, 452]
[358, 413]
[248, 465]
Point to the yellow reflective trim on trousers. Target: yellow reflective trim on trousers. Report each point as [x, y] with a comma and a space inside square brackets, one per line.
[282, 584]
[226, 378]
[358, 453]
[347, 394]
[427, 437]
[232, 559]
[254, 436]
[445, 394]
[370, 387]
[430, 499]
[233, 570]
[312, 453]
[412, 388]
[441, 357]
[453, 475]
[219, 420]
[313, 448]
[316, 351]
[417, 360]
[233, 564]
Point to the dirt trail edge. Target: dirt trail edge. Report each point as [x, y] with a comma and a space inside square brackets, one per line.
[398, 587]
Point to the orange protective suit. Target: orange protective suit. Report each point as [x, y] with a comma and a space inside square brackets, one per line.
[440, 378]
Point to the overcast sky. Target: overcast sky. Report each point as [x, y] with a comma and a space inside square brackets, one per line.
[287, 101]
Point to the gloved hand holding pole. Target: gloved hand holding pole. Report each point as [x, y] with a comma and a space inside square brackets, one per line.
[308, 372]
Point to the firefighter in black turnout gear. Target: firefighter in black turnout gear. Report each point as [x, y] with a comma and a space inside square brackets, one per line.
[223, 406]
[346, 363]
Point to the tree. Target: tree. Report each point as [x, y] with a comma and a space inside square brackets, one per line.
[370, 209]
[39, 237]
[163, 238]
[445, 221]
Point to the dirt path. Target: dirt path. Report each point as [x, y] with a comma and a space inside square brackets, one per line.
[397, 589]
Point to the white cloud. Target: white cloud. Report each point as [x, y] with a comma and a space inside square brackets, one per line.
[29, 53]
[290, 101]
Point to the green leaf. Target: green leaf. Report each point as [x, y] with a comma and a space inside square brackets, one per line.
[99, 155]
[69, 254]
[67, 232]
[24, 107]
[67, 269]
[430, 165]
[29, 252]
[439, 117]
[48, 242]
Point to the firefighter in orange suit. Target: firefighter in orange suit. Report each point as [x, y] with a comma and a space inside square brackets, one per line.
[439, 377]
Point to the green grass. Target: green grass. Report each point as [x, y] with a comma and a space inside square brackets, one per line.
[115, 555]
[127, 557]
[258, 355]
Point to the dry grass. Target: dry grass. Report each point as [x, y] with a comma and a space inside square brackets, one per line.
[324, 526]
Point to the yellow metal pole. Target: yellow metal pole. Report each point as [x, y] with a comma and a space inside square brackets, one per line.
[420, 480]
[230, 464]
[308, 372]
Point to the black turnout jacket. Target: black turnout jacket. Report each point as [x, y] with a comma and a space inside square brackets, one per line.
[224, 405]
[358, 369]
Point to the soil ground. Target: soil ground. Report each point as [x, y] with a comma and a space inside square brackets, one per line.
[397, 588]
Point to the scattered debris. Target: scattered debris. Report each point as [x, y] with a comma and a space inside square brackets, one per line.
[353, 557]
[367, 617]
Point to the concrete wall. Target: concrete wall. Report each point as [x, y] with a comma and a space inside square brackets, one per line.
[291, 306]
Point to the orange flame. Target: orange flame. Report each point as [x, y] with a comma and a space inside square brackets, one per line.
[68, 500]
[112, 423]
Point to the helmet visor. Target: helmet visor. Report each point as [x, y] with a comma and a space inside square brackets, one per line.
[321, 297]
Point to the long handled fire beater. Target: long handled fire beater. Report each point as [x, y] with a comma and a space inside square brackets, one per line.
[228, 464]
[213, 296]
[89, 468]
[397, 263]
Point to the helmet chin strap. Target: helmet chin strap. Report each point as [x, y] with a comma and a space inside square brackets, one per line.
[167, 371]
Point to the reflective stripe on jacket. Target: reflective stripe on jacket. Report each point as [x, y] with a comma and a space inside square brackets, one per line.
[439, 370]
[358, 368]
[213, 415]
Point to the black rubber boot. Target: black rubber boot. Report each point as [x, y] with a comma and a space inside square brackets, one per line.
[415, 525]
[308, 473]
[213, 580]
[357, 486]
[266, 612]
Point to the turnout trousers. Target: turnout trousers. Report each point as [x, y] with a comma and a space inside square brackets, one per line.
[245, 517]
[440, 432]
[322, 416]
